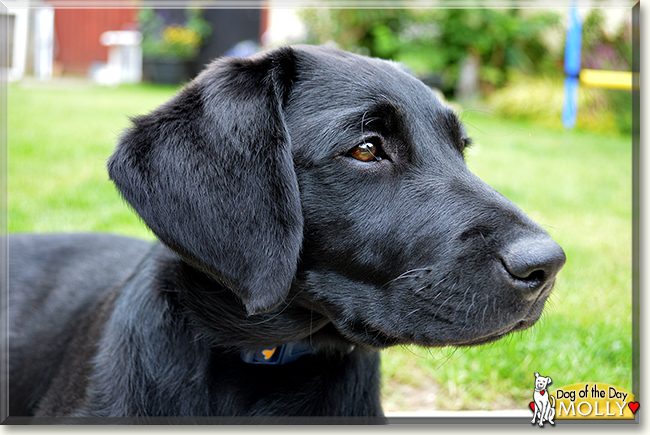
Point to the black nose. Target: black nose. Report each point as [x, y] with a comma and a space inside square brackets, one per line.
[532, 263]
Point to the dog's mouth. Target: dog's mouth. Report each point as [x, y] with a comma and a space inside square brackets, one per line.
[433, 306]
[436, 330]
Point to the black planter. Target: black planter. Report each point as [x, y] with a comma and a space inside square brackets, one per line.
[166, 71]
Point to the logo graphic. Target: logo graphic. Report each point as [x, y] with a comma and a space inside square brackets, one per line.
[268, 353]
[585, 400]
[543, 404]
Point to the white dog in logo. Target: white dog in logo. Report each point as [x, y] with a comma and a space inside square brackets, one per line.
[543, 408]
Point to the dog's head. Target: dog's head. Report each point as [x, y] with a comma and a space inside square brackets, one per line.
[340, 179]
[541, 382]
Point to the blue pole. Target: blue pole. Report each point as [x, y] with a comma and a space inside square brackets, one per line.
[572, 68]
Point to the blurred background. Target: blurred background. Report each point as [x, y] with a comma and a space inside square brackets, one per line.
[76, 75]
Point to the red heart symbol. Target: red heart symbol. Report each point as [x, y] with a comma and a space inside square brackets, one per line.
[542, 392]
[532, 405]
[633, 406]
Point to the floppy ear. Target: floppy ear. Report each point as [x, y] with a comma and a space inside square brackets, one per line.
[211, 173]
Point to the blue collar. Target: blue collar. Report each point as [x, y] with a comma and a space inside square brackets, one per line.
[278, 355]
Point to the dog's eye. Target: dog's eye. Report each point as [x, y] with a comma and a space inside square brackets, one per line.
[366, 152]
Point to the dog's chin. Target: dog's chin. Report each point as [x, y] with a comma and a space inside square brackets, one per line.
[491, 338]
[521, 325]
[380, 341]
[364, 335]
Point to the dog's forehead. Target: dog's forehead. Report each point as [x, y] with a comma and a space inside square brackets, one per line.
[339, 78]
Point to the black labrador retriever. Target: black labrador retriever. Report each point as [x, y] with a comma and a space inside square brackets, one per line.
[313, 206]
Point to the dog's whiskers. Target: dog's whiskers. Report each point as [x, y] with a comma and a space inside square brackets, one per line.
[470, 308]
[431, 287]
[484, 311]
[406, 275]
[412, 312]
[442, 305]
[460, 304]
[420, 289]
[447, 357]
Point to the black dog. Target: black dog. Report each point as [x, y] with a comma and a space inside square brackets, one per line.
[313, 207]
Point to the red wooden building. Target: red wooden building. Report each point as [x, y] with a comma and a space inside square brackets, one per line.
[77, 32]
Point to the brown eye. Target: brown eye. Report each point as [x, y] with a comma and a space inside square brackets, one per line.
[366, 152]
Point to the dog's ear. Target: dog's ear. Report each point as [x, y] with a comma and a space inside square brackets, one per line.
[211, 173]
[548, 380]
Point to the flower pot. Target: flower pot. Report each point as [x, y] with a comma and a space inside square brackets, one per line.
[166, 71]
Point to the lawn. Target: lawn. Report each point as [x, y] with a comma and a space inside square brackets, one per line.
[576, 184]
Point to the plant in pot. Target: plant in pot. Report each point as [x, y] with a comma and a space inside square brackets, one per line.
[171, 39]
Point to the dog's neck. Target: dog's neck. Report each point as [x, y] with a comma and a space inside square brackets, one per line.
[219, 317]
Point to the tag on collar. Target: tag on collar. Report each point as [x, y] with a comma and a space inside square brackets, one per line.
[278, 355]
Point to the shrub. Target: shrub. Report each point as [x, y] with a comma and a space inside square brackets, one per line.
[435, 42]
[541, 99]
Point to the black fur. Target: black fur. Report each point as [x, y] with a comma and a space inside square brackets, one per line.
[273, 232]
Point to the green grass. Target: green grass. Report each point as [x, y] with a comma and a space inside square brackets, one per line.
[576, 184]
[59, 140]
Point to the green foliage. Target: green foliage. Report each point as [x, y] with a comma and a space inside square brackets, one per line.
[437, 41]
[520, 72]
[171, 40]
